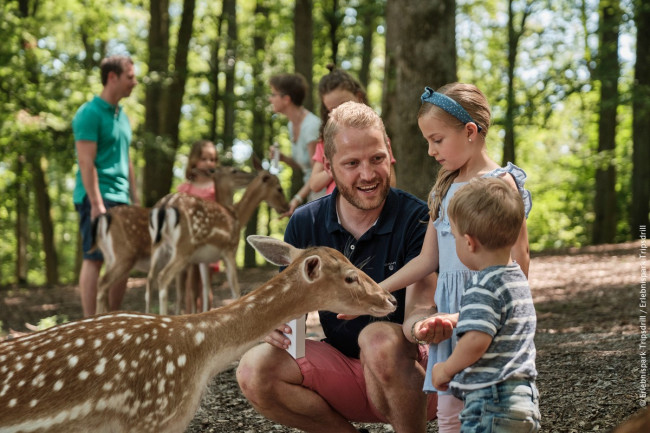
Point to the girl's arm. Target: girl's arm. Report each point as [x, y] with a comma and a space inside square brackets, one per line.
[419, 267]
[520, 250]
[319, 178]
[469, 349]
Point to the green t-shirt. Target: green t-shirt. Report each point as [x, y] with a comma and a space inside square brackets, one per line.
[109, 127]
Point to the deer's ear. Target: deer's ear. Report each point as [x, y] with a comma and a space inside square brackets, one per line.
[274, 251]
[311, 268]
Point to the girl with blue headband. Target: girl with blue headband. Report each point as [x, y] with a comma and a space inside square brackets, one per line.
[454, 120]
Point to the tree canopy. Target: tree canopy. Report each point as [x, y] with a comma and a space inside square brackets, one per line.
[551, 70]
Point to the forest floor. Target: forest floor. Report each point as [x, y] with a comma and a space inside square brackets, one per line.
[588, 340]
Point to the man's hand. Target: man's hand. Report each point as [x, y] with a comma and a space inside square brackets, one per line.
[439, 377]
[278, 339]
[434, 329]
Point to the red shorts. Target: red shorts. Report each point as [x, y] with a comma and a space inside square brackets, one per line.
[340, 381]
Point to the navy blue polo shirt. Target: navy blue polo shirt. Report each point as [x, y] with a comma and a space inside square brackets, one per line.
[394, 240]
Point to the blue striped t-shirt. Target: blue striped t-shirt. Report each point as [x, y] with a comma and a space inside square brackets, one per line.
[497, 301]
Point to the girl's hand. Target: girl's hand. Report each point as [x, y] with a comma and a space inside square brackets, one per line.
[439, 378]
[435, 329]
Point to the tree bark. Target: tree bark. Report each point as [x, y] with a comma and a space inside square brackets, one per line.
[258, 128]
[420, 51]
[641, 127]
[604, 230]
[22, 220]
[164, 98]
[514, 35]
[230, 17]
[303, 52]
[44, 207]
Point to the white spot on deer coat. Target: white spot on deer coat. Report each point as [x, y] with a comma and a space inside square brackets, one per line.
[170, 368]
[58, 385]
[199, 337]
[100, 367]
[181, 360]
[79, 342]
[73, 360]
[83, 375]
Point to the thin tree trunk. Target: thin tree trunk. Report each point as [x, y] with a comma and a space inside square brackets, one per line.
[604, 230]
[410, 67]
[44, 207]
[230, 17]
[333, 17]
[514, 35]
[258, 127]
[22, 220]
[156, 148]
[368, 16]
[641, 126]
[303, 52]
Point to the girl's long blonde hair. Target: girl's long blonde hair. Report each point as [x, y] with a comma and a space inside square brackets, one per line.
[475, 103]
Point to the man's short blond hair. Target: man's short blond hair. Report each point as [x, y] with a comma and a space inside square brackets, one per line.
[350, 115]
[488, 209]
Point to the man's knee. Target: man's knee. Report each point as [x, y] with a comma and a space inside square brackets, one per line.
[383, 350]
[258, 372]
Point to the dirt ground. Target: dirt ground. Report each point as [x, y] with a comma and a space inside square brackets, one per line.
[588, 340]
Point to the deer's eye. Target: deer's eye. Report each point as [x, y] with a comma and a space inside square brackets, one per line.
[351, 279]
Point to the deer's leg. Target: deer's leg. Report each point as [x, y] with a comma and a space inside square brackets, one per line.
[173, 267]
[204, 269]
[116, 272]
[231, 274]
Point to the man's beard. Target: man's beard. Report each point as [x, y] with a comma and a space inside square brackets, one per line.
[352, 195]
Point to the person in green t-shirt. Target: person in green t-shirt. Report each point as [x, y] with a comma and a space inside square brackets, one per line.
[105, 176]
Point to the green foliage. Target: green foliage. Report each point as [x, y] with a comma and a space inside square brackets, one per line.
[48, 322]
[49, 67]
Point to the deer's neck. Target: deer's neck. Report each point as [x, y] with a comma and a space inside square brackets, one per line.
[245, 207]
[235, 328]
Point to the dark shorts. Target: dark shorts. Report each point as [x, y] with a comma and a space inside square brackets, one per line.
[85, 227]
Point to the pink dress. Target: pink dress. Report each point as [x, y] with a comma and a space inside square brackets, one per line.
[206, 193]
[319, 156]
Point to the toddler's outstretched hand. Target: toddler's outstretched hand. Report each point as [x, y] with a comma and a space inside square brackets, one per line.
[435, 329]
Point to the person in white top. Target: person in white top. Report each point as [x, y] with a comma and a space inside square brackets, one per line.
[287, 95]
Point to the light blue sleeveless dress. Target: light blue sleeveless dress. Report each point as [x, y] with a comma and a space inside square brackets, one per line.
[453, 274]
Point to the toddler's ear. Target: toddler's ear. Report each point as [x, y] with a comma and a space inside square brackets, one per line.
[471, 242]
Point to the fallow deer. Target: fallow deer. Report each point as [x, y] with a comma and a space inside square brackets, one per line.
[133, 372]
[122, 234]
[185, 229]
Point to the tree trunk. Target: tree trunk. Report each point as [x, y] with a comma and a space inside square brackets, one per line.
[22, 220]
[157, 152]
[368, 15]
[420, 50]
[641, 126]
[514, 35]
[258, 127]
[333, 18]
[604, 230]
[230, 17]
[303, 53]
[164, 98]
[44, 207]
[214, 83]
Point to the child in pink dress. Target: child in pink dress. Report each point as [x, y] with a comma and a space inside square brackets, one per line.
[202, 160]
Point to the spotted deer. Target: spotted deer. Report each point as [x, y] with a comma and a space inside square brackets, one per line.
[122, 234]
[135, 372]
[187, 230]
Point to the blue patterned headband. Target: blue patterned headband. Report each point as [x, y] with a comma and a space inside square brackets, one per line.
[449, 105]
